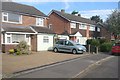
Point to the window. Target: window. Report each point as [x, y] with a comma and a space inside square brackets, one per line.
[8, 38]
[5, 16]
[73, 25]
[98, 29]
[16, 38]
[10, 17]
[60, 42]
[39, 21]
[68, 43]
[92, 28]
[82, 26]
[45, 39]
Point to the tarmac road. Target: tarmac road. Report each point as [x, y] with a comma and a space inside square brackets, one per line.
[68, 69]
[107, 69]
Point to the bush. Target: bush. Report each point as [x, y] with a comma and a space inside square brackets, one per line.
[106, 47]
[22, 48]
[103, 41]
[95, 42]
[89, 41]
[11, 51]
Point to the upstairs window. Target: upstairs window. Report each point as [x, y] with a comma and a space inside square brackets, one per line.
[10, 17]
[73, 25]
[82, 26]
[39, 22]
[92, 28]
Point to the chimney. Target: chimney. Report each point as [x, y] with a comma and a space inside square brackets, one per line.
[79, 15]
[62, 10]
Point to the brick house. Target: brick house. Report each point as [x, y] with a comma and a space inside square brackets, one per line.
[78, 28]
[22, 22]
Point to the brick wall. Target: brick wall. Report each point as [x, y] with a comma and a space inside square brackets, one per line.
[6, 47]
[104, 33]
[59, 24]
[28, 20]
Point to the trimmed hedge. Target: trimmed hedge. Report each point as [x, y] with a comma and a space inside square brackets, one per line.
[106, 47]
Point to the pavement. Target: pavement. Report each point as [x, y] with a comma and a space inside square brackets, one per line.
[68, 69]
[12, 64]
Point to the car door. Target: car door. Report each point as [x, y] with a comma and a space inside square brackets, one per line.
[68, 46]
[61, 46]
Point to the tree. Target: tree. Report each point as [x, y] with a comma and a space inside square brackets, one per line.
[74, 12]
[113, 23]
[96, 19]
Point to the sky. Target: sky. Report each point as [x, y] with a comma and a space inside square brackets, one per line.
[102, 8]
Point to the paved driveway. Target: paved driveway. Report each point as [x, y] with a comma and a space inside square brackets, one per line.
[11, 63]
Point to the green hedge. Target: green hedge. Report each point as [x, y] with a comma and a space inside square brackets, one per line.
[106, 47]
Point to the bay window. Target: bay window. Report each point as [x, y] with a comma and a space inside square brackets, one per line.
[15, 38]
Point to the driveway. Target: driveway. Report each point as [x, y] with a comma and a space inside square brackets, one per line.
[12, 64]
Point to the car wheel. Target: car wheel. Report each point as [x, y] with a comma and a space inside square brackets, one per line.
[55, 50]
[74, 51]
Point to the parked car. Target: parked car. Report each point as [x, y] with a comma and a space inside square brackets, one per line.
[68, 46]
[116, 48]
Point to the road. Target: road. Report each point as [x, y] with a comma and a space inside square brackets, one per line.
[107, 69]
[68, 69]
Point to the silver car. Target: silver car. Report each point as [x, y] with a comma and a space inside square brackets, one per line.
[68, 46]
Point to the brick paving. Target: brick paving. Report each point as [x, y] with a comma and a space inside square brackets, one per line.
[11, 63]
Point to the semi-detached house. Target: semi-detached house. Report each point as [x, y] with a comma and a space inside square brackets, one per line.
[77, 28]
[22, 22]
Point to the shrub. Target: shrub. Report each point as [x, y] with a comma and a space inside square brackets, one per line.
[22, 48]
[89, 41]
[95, 42]
[11, 51]
[106, 47]
[103, 41]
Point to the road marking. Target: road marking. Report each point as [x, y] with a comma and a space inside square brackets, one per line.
[93, 65]
[56, 64]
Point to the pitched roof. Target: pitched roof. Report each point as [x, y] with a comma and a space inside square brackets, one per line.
[21, 8]
[15, 28]
[74, 17]
[43, 30]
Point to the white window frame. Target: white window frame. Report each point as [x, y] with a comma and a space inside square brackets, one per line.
[6, 35]
[20, 18]
[92, 28]
[98, 29]
[73, 25]
[45, 39]
[81, 26]
[38, 20]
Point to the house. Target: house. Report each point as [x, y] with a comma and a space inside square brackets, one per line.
[104, 33]
[78, 28]
[22, 22]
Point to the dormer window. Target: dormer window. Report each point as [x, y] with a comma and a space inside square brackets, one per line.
[39, 21]
[11, 18]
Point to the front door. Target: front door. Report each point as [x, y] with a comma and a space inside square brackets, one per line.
[34, 42]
